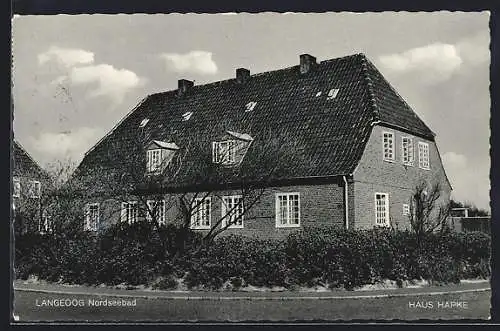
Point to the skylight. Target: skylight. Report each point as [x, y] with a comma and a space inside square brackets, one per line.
[144, 122]
[187, 116]
[332, 93]
[250, 106]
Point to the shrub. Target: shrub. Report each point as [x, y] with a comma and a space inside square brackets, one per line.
[138, 254]
[165, 283]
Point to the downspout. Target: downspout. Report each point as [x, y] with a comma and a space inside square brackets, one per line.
[346, 203]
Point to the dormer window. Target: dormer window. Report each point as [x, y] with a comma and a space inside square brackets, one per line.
[224, 151]
[187, 116]
[158, 155]
[144, 122]
[332, 94]
[250, 106]
[231, 149]
[154, 159]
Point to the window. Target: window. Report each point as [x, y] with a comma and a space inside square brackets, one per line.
[287, 210]
[91, 216]
[407, 150]
[232, 211]
[157, 208]
[250, 106]
[332, 94]
[224, 152]
[45, 225]
[34, 189]
[406, 209]
[382, 209]
[17, 187]
[153, 160]
[144, 122]
[201, 217]
[129, 212]
[187, 116]
[423, 155]
[388, 144]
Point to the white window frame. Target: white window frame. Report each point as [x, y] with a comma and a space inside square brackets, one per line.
[407, 157]
[151, 164]
[92, 224]
[230, 158]
[392, 150]
[289, 218]
[199, 212]
[126, 216]
[232, 211]
[16, 182]
[159, 210]
[45, 224]
[406, 209]
[387, 210]
[34, 189]
[424, 161]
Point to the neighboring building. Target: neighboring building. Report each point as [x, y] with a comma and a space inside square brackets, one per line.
[461, 221]
[28, 183]
[360, 148]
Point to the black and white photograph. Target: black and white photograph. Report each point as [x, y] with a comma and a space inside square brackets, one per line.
[251, 167]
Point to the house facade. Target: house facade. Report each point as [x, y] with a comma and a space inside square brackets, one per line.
[326, 143]
[28, 183]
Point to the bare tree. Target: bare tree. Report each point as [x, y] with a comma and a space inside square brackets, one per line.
[182, 183]
[427, 214]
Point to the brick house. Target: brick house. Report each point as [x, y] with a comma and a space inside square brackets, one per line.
[359, 149]
[28, 182]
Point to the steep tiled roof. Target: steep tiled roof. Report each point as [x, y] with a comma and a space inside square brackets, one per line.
[24, 165]
[332, 133]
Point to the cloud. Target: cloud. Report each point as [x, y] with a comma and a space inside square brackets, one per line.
[434, 63]
[68, 57]
[437, 62]
[81, 70]
[110, 81]
[475, 50]
[197, 62]
[70, 144]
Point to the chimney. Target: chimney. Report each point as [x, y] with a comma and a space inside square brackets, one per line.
[242, 75]
[184, 85]
[306, 63]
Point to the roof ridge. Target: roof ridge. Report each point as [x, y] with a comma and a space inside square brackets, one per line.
[20, 146]
[26, 152]
[258, 74]
[393, 90]
[369, 85]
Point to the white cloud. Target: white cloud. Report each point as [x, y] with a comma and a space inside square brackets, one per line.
[198, 62]
[68, 57]
[475, 50]
[433, 63]
[71, 144]
[111, 82]
[437, 62]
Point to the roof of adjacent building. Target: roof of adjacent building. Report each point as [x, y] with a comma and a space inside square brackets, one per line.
[25, 165]
[332, 131]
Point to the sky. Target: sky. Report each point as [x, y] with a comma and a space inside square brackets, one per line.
[76, 76]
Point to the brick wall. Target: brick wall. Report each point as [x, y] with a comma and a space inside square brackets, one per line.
[320, 205]
[373, 174]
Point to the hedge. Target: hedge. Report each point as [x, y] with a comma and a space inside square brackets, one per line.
[337, 258]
